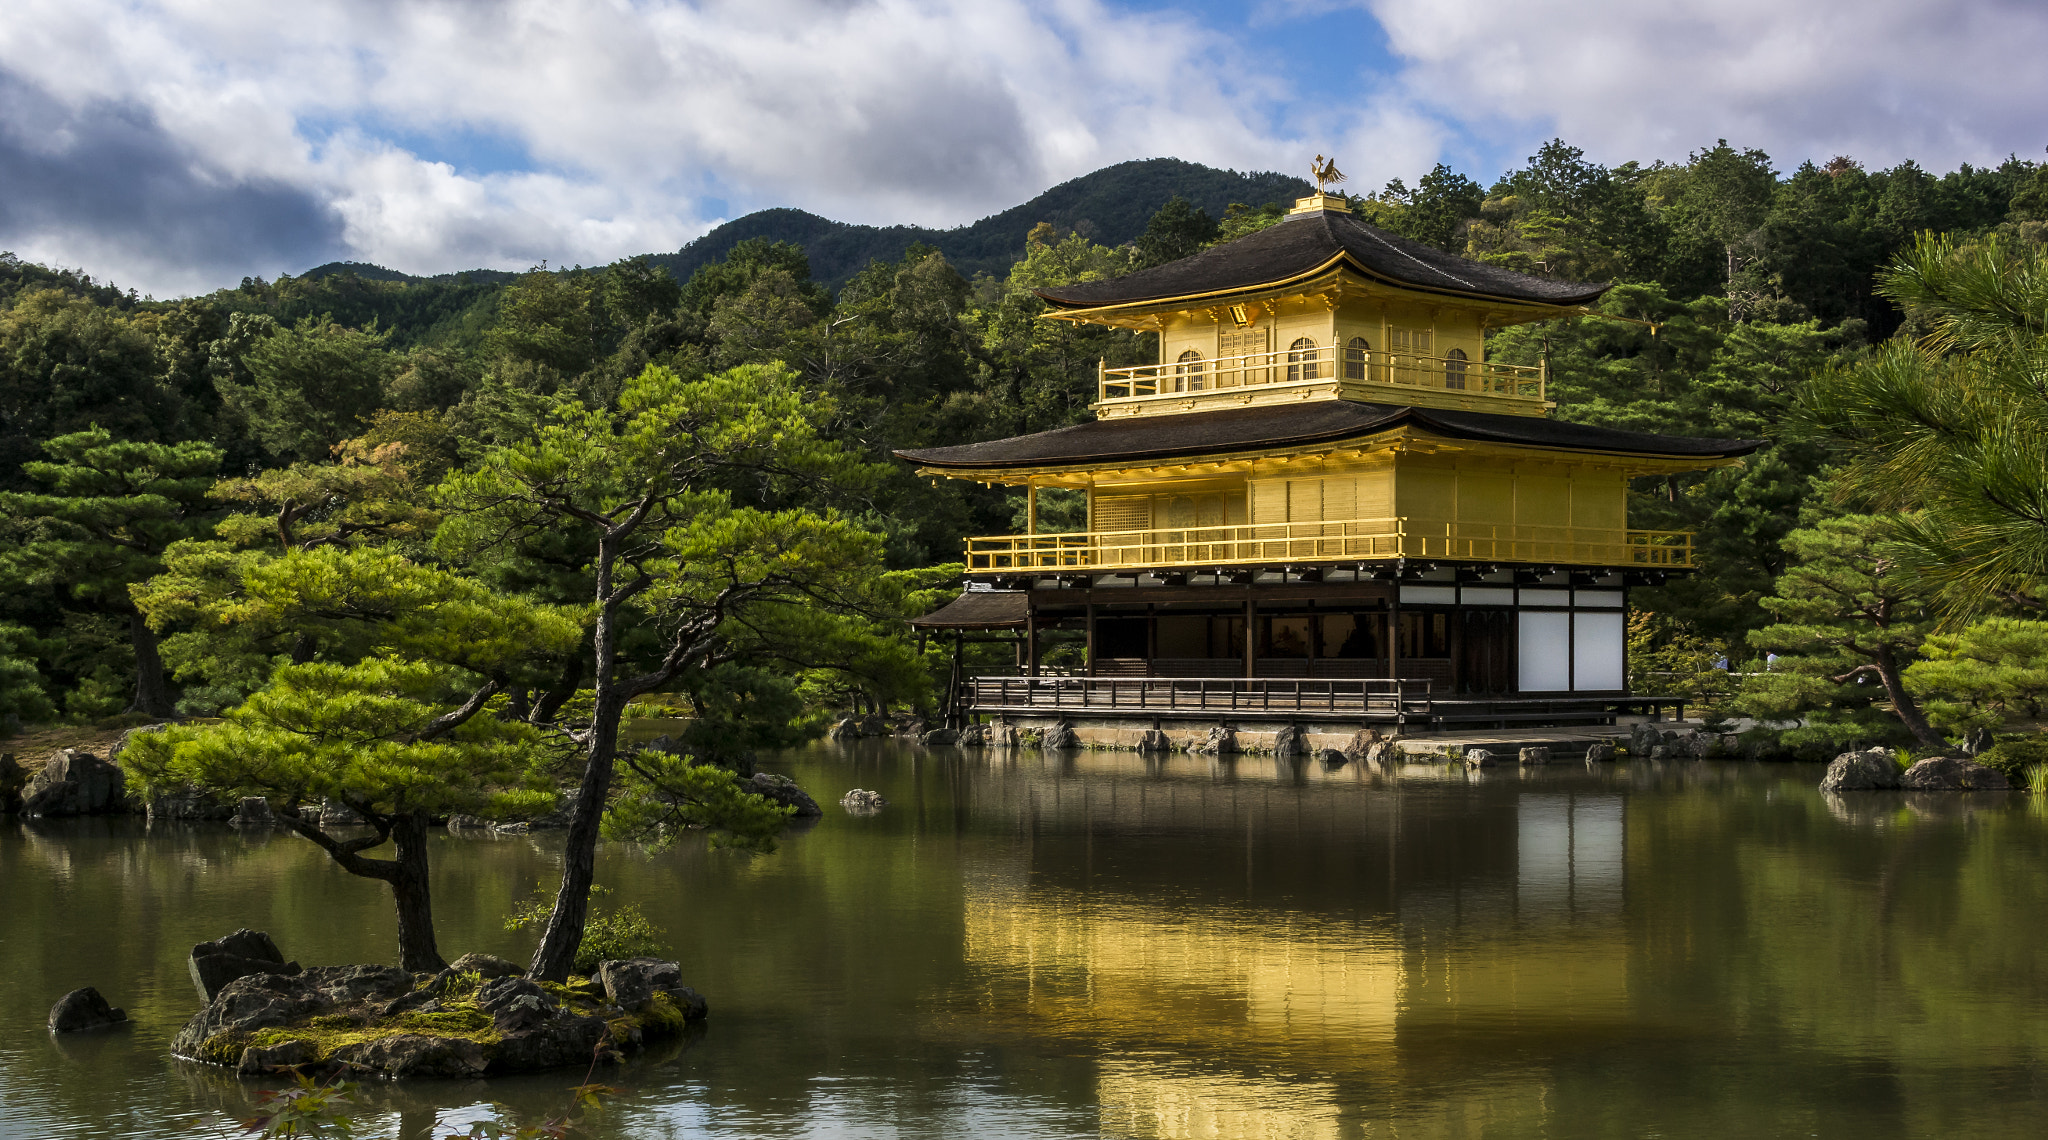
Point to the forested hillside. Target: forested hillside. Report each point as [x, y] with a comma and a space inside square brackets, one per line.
[324, 410]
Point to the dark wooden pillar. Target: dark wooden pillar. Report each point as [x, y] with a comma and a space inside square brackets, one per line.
[1251, 635]
[1030, 641]
[1151, 639]
[1089, 670]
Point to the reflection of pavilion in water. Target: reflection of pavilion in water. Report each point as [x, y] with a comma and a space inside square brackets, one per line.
[1245, 953]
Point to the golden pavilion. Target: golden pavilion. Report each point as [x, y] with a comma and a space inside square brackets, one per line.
[1322, 501]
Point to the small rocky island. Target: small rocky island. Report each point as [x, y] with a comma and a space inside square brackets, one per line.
[480, 1016]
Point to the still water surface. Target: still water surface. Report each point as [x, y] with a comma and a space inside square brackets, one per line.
[1100, 945]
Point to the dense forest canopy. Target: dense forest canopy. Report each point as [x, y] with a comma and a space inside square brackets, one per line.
[330, 397]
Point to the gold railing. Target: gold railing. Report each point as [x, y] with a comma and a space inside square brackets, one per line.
[1331, 541]
[1324, 364]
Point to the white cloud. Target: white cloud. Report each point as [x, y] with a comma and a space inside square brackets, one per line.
[625, 115]
[1880, 80]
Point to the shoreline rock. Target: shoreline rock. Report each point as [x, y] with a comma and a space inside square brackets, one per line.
[481, 1016]
[84, 1009]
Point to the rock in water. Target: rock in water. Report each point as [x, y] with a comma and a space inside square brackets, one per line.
[488, 965]
[254, 811]
[75, 783]
[1861, 772]
[1952, 774]
[973, 736]
[784, 791]
[1059, 738]
[187, 803]
[1480, 758]
[1221, 741]
[860, 800]
[1155, 741]
[632, 983]
[245, 952]
[845, 728]
[1290, 741]
[83, 1009]
[1381, 753]
[1002, 734]
[1600, 752]
[1332, 758]
[1535, 755]
[939, 736]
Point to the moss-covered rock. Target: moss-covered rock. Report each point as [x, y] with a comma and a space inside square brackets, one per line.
[453, 1024]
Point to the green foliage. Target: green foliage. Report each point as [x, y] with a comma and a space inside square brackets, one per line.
[1984, 675]
[1847, 626]
[610, 934]
[2022, 759]
[358, 734]
[663, 796]
[1955, 424]
[23, 694]
[308, 386]
[1180, 229]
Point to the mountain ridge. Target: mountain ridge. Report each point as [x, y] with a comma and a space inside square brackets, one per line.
[1110, 206]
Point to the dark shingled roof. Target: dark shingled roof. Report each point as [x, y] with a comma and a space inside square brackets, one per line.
[1305, 241]
[979, 609]
[1279, 425]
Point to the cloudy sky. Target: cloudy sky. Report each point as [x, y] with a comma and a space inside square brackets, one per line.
[177, 145]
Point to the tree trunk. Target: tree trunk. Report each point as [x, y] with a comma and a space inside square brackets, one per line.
[417, 951]
[556, 954]
[152, 696]
[1903, 703]
[551, 702]
[517, 704]
[555, 957]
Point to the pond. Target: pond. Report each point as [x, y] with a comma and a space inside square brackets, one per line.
[1103, 945]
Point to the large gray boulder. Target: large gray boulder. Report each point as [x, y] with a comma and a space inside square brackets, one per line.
[1534, 755]
[1953, 774]
[1481, 758]
[1002, 734]
[75, 783]
[1221, 741]
[489, 966]
[973, 736]
[1290, 741]
[863, 802]
[1600, 752]
[939, 737]
[784, 791]
[187, 804]
[1861, 772]
[1155, 741]
[245, 952]
[1332, 758]
[1060, 738]
[632, 983]
[81, 1010]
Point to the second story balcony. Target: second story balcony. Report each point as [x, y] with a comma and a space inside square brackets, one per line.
[1307, 543]
[1310, 371]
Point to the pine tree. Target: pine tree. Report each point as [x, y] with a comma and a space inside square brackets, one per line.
[1849, 623]
[110, 510]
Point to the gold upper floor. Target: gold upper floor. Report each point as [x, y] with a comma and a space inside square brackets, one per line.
[1339, 335]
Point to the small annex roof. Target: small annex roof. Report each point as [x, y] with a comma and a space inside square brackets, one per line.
[979, 609]
[1306, 243]
[1283, 425]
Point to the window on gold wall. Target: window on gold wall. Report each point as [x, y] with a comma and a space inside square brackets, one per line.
[1355, 354]
[1188, 372]
[1301, 361]
[1455, 363]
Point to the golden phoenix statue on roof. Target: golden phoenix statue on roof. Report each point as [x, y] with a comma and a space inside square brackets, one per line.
[1326, 173]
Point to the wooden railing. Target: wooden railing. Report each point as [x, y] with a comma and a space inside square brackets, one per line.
[1321, 365]
[1194, 695]
[1330, 541]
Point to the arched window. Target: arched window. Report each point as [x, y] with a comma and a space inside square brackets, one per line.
[1355, 355]
[1454, 368]
[1301, 361]
[1187, 373]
